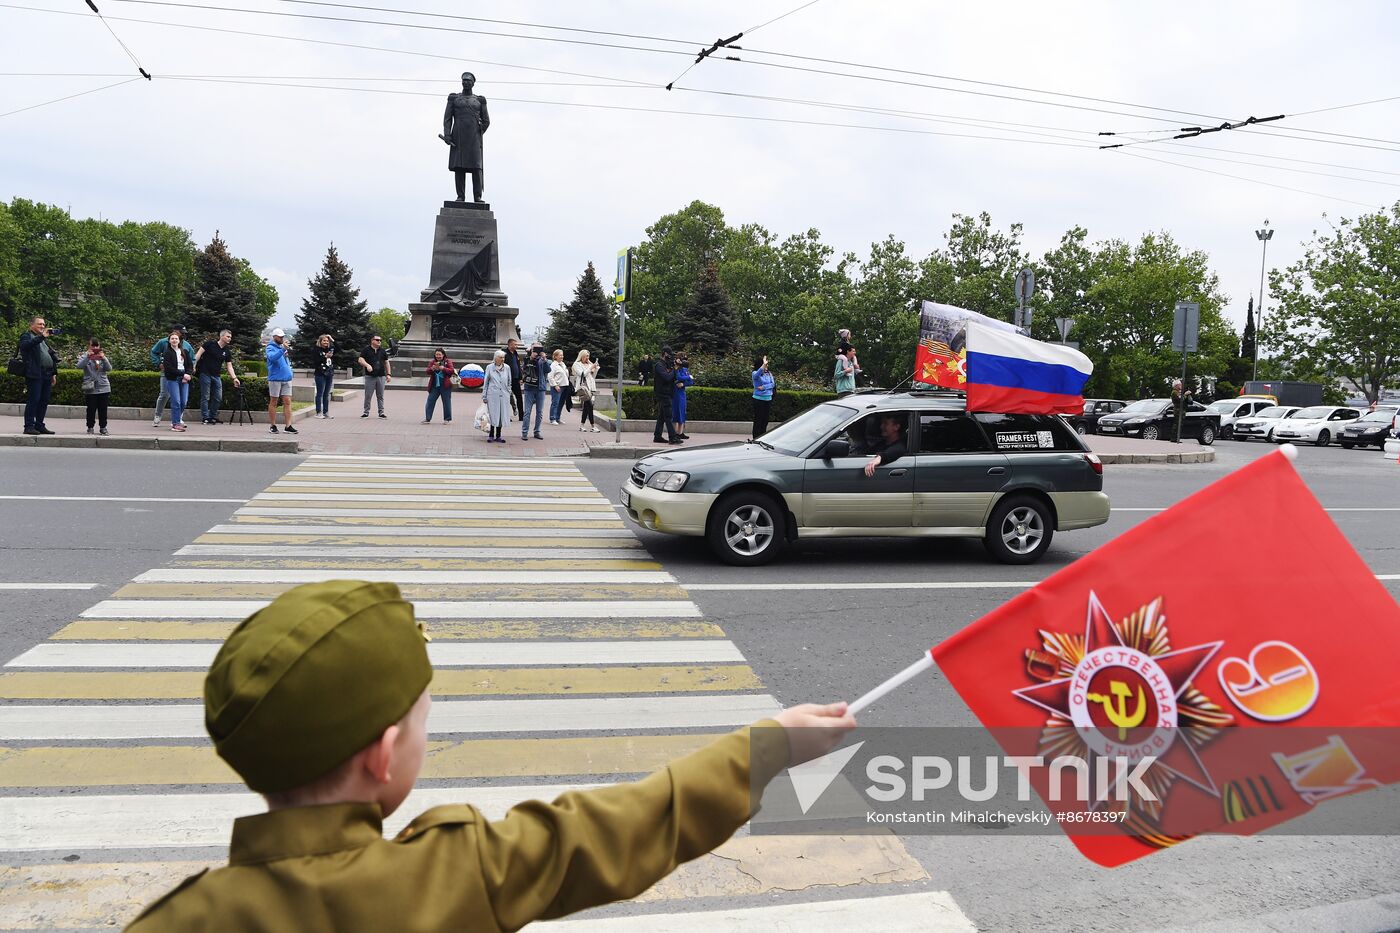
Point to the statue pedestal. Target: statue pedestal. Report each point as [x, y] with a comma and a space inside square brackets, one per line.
[476, 319]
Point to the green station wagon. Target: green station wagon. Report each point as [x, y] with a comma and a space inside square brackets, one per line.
[1011, 480]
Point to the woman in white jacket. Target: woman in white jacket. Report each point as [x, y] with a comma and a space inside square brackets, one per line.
[585, 382]
[558, 385]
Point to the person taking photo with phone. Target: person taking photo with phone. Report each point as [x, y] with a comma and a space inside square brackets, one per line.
[97, 388]
[40, 374]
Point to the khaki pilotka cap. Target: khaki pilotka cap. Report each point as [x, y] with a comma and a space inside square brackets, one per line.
[312, 678]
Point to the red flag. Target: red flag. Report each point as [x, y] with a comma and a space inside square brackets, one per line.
[1246, 687]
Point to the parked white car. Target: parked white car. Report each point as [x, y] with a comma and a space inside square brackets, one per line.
[1261, 424]
[1231, 410]
[1317, 424]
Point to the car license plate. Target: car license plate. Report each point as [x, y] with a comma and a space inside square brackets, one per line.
[626, 498]
[1108, 428]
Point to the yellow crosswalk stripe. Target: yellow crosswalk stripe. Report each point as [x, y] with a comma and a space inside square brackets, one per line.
[153, 765]
[512, 591]
[413, 521]
[573, 681]
[442, 630]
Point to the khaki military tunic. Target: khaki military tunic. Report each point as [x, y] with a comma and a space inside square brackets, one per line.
[329, 868]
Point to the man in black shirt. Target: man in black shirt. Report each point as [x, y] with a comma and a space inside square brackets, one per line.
[375, 361]
[209, 364]
[517, 373]
[890, 446]
[664, 385]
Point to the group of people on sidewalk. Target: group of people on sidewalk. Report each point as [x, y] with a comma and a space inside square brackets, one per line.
[516, 387]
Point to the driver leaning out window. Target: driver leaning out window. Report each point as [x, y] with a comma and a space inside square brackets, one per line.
[889, 445]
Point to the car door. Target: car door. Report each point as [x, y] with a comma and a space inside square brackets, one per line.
[836, 493]
[957, 475]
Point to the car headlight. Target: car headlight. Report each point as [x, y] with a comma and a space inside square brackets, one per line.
[668, 480]
[1134, 422]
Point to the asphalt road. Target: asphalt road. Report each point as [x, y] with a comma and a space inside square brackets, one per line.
[824, 642]
[820, 641]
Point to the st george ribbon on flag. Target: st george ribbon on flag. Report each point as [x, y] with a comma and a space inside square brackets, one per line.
[941, 357]
[1009, 372]
[1247, 700]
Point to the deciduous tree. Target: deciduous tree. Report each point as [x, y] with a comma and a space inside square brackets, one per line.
[1337, 310]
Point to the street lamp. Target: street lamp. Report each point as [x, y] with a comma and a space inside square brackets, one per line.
[1263, 236]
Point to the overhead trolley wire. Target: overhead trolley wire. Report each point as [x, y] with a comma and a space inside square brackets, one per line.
[129, 54]
[70, 96]
[1360, 103]
[328, 42]
[1252, 181]
[323, 17]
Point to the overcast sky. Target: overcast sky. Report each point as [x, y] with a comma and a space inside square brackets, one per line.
[283, 171]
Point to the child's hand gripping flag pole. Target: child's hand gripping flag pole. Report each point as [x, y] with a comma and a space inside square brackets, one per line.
[1258, 690]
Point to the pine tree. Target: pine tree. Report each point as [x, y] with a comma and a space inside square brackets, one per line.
[709, 323]
[1247, 341]
[332, 306]
[218, 298]
[586, 322]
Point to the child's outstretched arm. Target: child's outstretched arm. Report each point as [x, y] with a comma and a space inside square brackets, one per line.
[594, 847]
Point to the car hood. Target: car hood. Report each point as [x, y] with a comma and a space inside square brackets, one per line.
[691, 459]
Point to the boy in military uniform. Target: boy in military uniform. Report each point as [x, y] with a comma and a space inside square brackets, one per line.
[319, 701]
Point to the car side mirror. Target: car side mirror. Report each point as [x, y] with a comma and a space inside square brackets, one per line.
[836, 448]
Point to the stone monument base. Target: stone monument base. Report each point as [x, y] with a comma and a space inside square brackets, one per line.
[470, 327]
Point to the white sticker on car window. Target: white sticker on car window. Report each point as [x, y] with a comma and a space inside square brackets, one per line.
[1019, 440]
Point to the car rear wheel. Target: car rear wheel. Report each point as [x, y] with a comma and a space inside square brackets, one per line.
[1151, 433]
[746, 529]
[1207, 435]
[1081, 428]
[1019, 531]
[1324, 437]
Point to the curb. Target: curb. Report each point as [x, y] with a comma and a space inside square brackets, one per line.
[230, 445]
[1196, 456]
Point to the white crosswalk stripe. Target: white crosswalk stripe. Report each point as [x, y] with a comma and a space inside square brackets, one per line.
[565, 656]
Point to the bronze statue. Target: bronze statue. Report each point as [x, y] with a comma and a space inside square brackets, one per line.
[463, 124]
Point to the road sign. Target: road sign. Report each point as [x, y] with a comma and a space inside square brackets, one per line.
[1063, 324]
[622, 285]
[1025, 285]
[1185, 326]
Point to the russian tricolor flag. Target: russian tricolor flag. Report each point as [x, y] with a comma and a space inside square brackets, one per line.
[1008, 372]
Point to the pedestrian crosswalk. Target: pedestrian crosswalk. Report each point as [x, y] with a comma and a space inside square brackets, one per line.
[564, 657]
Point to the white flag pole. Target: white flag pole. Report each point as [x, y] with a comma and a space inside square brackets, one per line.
[898, 680]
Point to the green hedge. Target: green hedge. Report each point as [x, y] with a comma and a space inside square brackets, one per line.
[251, 366]
[129, 390]
[705, 404]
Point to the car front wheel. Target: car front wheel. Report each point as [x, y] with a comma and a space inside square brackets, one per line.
[1324, 437]
[1207, 435]
[1151, 433]
[1019, 531]
[1081, 428]
[746, 529]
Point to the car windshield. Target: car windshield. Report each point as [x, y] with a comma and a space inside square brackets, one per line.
[1146, 406]
[1224, 406]
[1317, 411]
[797, 434]
[1383, 415]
